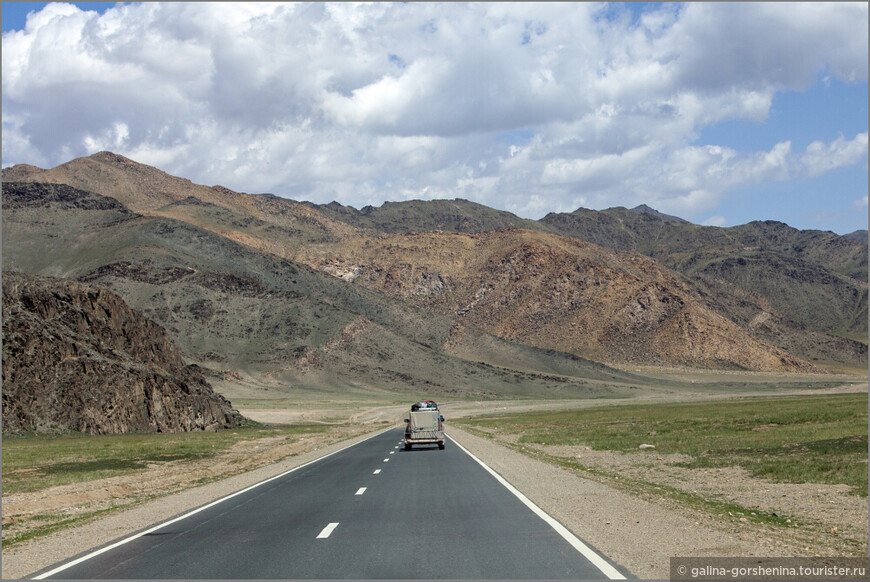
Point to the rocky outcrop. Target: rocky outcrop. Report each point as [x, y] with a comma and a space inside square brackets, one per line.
[77, 357]
[58, 197]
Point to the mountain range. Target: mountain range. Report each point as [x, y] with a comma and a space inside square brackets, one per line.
[446, 295]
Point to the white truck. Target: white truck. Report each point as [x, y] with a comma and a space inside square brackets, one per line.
[424, 425]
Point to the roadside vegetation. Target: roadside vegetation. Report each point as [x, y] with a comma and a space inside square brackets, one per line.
[95, 475]
[32, 462]
[799, 439]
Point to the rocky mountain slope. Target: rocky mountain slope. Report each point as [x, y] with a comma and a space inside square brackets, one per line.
[804, 291]
[76, 357]
[858, 235]
[556, 293]
[144, 189]
[238, 311]
[683, 245]
[696, 304]
[418, 216]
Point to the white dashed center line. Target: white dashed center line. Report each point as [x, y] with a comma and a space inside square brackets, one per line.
[327, 531]
[361, 490]
[386, 460]
[377, 471]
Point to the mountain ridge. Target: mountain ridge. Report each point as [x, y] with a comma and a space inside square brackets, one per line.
[432, 270]
[264, 320]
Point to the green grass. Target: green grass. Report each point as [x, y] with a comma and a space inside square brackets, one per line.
[797, 439]
[857, 336]
[33, 462]
[56, 523]
[647, 488]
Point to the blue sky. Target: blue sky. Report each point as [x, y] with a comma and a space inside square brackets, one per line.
[721, 113]
[15, 13]
[825, 111]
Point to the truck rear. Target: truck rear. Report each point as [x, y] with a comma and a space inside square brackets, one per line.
[424, 427]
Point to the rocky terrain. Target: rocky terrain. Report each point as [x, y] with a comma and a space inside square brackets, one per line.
[240, 312]
[394, 295]
[801, 291]
[808, 287]
[76, 357]
[557, 293]
[420, 216]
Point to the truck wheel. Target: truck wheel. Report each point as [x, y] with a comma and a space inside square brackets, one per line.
[407, 446]
[441, 446]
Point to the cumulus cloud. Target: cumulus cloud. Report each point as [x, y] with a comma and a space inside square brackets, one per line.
[530, 107]
[821, 158]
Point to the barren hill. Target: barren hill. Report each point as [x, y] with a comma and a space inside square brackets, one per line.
[417, 216]
[681, 244]
[144, 189]
[802, 290]
[236, 310]
[140, 187]
[691, 300]
[76, 357]
[557, 293]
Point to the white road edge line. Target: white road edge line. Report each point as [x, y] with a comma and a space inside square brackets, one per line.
[361, 490]
[587, 552]
[190, 513]
[327, 531]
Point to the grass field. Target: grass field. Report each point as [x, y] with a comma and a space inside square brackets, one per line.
[34, 462]
[797, 439]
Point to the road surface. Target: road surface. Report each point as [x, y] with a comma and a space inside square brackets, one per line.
[370, 511]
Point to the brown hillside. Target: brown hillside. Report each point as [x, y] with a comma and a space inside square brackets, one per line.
[528, 286]
[148, 190]
[76, 357]
[22, 173]
[139, 187]
[556, 293]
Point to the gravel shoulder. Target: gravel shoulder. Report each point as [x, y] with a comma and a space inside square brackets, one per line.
[642, 532]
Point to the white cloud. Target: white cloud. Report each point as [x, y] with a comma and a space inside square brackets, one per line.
[716, 46]
[716, 221]
[531, 107]
[598, 171]
[115, 138]
[821, 158]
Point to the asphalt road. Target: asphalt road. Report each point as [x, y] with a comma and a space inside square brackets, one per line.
[370, 511]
